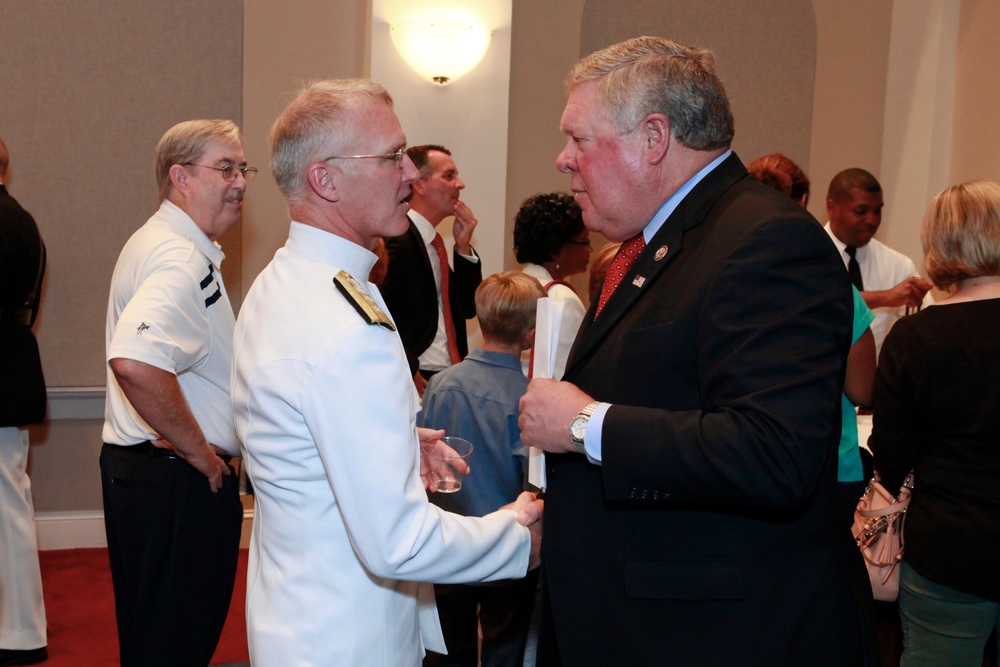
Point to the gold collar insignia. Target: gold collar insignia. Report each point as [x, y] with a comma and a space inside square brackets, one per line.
[362, 301]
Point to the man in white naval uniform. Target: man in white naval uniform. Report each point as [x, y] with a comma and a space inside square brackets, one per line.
[325, 409]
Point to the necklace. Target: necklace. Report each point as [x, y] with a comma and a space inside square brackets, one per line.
[978, 280]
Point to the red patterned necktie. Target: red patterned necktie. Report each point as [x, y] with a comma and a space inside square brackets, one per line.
[449, 324]
[626, 254]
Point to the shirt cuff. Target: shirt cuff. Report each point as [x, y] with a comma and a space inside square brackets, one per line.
[592, 437]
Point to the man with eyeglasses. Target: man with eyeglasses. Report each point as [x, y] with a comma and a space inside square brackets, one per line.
[429, 300]
[325, 410]
[171, 502]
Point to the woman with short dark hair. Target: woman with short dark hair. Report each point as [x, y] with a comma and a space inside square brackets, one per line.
[553, 244]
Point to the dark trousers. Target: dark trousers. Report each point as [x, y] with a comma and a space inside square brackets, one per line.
[504, 612]
[173, 546]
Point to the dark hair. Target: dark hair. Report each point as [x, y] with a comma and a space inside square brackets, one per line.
[544, 224]
[850, 179]
[418, 154]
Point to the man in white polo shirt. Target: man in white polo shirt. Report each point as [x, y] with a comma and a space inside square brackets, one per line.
[171, 504]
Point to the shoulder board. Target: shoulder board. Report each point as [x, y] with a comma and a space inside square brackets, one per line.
[362, 301]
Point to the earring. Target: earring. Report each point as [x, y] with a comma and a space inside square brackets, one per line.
[557, 266]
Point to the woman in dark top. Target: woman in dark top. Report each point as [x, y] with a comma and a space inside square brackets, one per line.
[937, 411]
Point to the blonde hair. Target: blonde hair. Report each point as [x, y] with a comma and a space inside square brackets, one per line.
[316, 122]
[647, 75]
[961, 233]
[185, 143]
[599, 266]
[505, 305]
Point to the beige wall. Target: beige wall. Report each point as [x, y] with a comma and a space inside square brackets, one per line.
[287, 44]
[849, 98]
[975, 130]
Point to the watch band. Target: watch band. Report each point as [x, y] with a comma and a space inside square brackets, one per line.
[584, 415]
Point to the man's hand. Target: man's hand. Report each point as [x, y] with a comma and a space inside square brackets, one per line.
[546, 412]
[210, 465]
[432, 453]
[157, 397]
[465, 225]
[909, 293]
[420, 382]
[528, 508]
[529, 513]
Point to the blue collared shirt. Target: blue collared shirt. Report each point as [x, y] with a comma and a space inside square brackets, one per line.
[477, 399]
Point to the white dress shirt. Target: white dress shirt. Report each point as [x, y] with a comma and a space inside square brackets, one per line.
[882, 268]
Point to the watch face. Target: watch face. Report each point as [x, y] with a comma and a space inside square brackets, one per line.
[578, 428]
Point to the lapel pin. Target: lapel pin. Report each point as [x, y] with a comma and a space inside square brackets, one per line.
[638, 281]
[661, 252]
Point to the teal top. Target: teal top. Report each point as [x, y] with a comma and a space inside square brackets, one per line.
[849, 468]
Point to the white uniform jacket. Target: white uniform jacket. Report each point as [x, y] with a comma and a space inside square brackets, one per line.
[325, 411]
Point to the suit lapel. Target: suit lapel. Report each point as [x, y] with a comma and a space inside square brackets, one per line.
[659, 253]
[421, 248]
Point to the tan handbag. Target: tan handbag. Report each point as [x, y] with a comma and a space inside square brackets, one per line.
[878, 531]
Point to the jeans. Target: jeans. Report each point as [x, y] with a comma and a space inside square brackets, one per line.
[941, 626]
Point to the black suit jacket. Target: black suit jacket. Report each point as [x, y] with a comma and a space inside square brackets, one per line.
[708, 534]
[411, 294]
[22, 261]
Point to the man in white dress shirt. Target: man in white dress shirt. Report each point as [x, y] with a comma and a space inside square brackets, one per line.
[430, 319]
[326, 409]
[888, 280]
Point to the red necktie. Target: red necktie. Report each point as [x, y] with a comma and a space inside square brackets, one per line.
[626, 254]
[449, 324]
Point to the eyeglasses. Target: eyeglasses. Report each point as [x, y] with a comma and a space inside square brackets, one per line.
[229, 171]
[585, 241]
[397, 157]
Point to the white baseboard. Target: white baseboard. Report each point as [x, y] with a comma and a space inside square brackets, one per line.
[85, 530]
[70, 530]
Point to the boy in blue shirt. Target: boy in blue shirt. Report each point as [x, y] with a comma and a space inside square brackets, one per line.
[477, 399]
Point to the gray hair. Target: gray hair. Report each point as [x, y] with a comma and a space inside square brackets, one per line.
[961, 233]
[315, 122]
[647, 75]
[186, 142]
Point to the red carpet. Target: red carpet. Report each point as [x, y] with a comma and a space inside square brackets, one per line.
[80, 606]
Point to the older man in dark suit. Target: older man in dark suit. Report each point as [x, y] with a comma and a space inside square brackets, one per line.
[428, 300]
[690, 514]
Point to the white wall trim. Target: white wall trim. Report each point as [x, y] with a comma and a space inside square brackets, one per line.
[75, 403]
[85, 529]
[70, 530]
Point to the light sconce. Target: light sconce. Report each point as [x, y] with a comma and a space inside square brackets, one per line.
[441, 49]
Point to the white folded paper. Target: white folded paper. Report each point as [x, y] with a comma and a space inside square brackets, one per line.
[548, 320]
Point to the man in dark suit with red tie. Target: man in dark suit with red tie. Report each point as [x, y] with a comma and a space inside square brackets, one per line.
[690, 515]
[428, 300]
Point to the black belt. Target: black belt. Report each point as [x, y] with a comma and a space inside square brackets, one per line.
[147, 448]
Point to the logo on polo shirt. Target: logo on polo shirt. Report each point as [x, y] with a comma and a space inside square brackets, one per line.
[142, 327]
